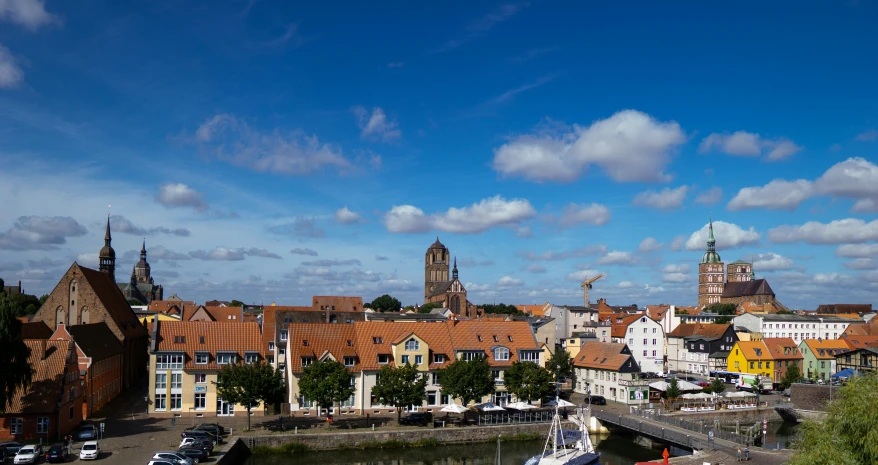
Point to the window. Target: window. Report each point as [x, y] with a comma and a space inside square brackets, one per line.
[644, 342]
[631, 341]
[226, 359]
[630, 330]
[42, 425]
[653, 353]
[200, 401]
[282, 351]
[200, 377]
[509, 337]
[701, 346]
[307, 361]
[412, 344]
[201, 339]
[767, 364]
[70, 414]
[822, 364]
[653, 330]
[16, 425]
[377, 340]
[161, 381]
[405, 359]
[419, 359]
[160, 402]
[270, 345]
[496, 339]
[349, 361]
[168, 361]
[470, 356]
[176, 380]
[383, 359]
[496, 374]
[176, 401]
[283, 334]
[179, 339]
[644, 353]
[501, 353]
[270, 359]
[529, 356]
[201, 358]
[438, 358]
[760, 364]
[431, 397]
[251, 357]
[305, 342]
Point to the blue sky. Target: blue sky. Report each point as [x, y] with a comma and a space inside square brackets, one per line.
[270, 151]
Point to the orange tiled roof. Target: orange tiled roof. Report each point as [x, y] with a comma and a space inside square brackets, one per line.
[165, 306]
[48, 359]
[322, 339]
[621, 321]
[114, 301]
[826, 349]
[218, 336]
[514, 335]
[234, 314]
[707, 331]
[750, 348]
[657, 312]
[783, 348]
[860, 342]
[376, 337]
[603, 356]
[535, 309]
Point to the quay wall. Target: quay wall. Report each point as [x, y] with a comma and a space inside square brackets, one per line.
[811, 396]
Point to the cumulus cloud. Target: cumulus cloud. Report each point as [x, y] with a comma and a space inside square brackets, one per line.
[232, 140]
[746, 144]
[853, 178]
[581, 275]
[769, 262]
[861, 264]
[727, 235]
[474, 287]
[376, 126]
[122, 225]
[326, 274]
[11, 74]
[300, 251]
[551, 255]
[857, 251]
[348, 262]
[508, 281]
[846, 231]
[40, 233]
[476, 218]
[711, 196]
[30, 14]
[346, 216]
[302, 227]
[649, 245]
[617, 257]
[676, 273]
[180, 195]
[778, 194]
[666, 199]
[573, 214]
[678, 242]
[629, 146]
[227, 254]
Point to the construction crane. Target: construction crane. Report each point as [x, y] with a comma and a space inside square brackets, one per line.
[586, 285]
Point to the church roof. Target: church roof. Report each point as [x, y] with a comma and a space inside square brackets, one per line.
[437, 244]
[748, 288]
[113, 300]
[441, 288]
[96, 340]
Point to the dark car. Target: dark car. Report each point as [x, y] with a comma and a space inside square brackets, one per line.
[57, 453]
[200, 443]
[191, 433]
[11, 447]
[597, 400]
[214, 425]
[87, 433]
[193, 453]
[414, 419]
[210, 429]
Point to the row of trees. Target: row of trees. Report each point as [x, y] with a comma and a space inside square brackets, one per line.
[23, 304]
[14, 367]
[388, 303]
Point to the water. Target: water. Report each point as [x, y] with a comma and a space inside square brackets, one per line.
[614, 449]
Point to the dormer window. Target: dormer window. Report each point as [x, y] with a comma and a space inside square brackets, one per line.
[479, 336]
[350, 343]
[179, 339]
[496, 339]
[509, 337]
[412, 344]
[383, 359]
[283, 334]
[305, 342]
[501, 354]
[377, 340]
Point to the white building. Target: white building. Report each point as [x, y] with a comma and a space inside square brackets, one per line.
[797, 327]
[610, 370]
[645, 338]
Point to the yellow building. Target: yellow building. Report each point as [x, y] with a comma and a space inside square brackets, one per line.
[150, 317]
[573, 345]
[751, 357]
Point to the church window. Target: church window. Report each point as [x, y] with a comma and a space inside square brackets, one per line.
[412, 344]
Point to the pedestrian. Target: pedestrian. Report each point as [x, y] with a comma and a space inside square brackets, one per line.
[739, 455]
[746, 453]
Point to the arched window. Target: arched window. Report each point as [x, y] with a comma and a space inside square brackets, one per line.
[501, 353]
[455, 305]
[71, 303]
[84, 318]
[412, 344]
[60, 315]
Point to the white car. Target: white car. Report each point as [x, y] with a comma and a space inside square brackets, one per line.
[90, 450]
[190, 442]
[174, 457]
[28, 454]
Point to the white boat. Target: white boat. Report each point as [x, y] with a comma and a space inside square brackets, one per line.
[580, 452]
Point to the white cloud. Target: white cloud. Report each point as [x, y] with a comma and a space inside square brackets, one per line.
[678, 242]
[180, 195]
[581, 275]
[300, 251]
[507, 281]
[594, 214]
[40, 233]
[649, 245]
[617, 257]
[122, 225]
[769, 262]
[326, 262]
[477, 218]
[666, 199]
[676, 273]
[711, 196]
[862, 264]
[231, 139]
[629, 146]
[625, 285]
[227, 254]
[849, 230]
[473, 287]
[376, 125]
[524, 232]
[468, 262]
[747, 144]
[857, 251]
[868, 136]
[11, 75]
[853, 178]
[865, 206]
[551, 255]
[346, 216]
[727, 235]
[30, 14]
[778, 194]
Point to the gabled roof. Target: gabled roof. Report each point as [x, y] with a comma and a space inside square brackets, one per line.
[747, 288]
[621, 323]
[219, 336]
[861, 342]
[754, 350]
[657, 312]
[826, 349]
[514, 335]
[232, 314]
[36, 330]
[171, 304]
[782, 348]
[114, 301]
[604, 356]
[376, 337]
[442, 288]
[96, 340]
[48, 360]
[708, 332]
[322, 338]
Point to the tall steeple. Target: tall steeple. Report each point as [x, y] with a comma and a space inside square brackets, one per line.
[141, 269]
[710, 256]
[454, 271]
[108, 255]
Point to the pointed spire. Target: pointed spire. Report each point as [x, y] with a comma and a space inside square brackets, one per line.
[454, 270]
[143, 247]
[107, 236]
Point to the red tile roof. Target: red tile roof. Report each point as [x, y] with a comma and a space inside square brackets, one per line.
[337, 340]
[861, 342]
[707, 331]
[514, 335]
[35, 330]
[232, 314]
[621, 323]
[827, 348]
[376, 337]
[48, 359]
[218, 336]
[783, 348]
[603, 356]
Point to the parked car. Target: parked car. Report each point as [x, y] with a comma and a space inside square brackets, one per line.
[215, 425]
[91, 450]
[174, 457]
[200, 443]
[703, 384]
[193, 453]
[160, 462]
[414, 419]
[597, 400]
[192, 433]
[11, 447]
[28, 454]
[57, 453]
[210, 429]
[87, 433]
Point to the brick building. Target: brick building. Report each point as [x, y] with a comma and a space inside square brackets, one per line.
[99, 356]
[450, 293]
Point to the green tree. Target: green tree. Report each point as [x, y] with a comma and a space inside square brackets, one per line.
[386, 303]
[326, 383]
[429, 306]
[43, 299]
[791, 376]
[673, 390]
[847, 435]
[134, 302]
[502, 309]
[236, 303]
[528, 381]
[467, 380]
[400, 386]
[784, 312]
[560, 364]
[723, 309]
[13, 358]
[250, 384]
[721, 320]
[717, 386]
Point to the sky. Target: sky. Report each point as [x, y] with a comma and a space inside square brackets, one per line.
[271, 151]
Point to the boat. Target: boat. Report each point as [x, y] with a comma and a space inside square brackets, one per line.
[568, 447]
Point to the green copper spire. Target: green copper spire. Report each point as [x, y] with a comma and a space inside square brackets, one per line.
[711, 256]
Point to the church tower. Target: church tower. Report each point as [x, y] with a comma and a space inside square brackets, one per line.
[108, 255]
[435, 267]
[711, 276]
[141, 269]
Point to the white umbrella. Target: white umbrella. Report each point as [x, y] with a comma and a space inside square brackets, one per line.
[520, 406]
[561, 403]
[453, 408]
[489, 407]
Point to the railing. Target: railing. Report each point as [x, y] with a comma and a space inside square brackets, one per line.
[648, 428]
[540, 416]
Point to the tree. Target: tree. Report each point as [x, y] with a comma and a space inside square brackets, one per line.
[250, 384]
[528, 381]
[560, 364]
[717, 386]
[134, 302]
[847, 435]
[723, 309]
[326, 383]
[502, 309]
[723, 320]
[236, 303]
[467, 380]
[385, 303]
[14, 365]
[400, 386]
[791, 376]
[429, 306]
[43, 299]
[784, 312]
[673, 390]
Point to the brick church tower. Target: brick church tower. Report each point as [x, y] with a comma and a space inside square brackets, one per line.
[711, 275]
